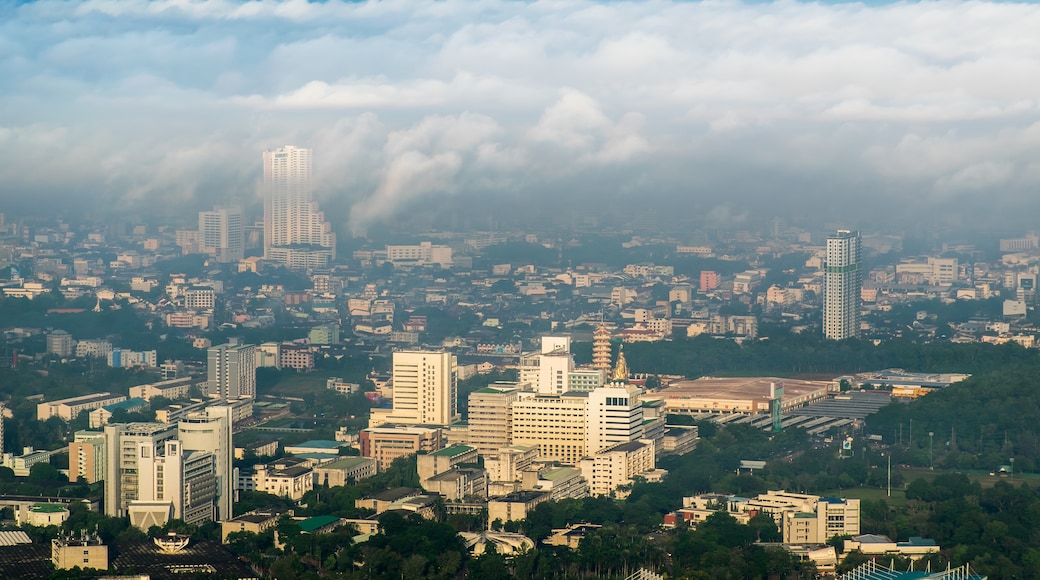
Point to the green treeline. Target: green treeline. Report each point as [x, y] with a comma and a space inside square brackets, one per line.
[793, 354]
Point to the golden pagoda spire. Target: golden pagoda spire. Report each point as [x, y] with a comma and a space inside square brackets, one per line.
[621, 368]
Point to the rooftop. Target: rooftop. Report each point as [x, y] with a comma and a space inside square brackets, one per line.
[317, 522]
[127, 404]
[452, 451]
[320, 444]
[739, 387]
[346, 463]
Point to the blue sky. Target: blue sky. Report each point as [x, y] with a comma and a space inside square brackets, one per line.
[134, 103]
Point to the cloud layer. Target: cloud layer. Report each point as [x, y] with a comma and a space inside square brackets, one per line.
[135, 104]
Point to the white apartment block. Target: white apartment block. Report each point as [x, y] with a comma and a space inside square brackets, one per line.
[618, 466]
[424, 254]
[171, 389]
[231, 371]
[615, 415]
[280, 478]
[425, 388]
[808, 519]
[221, 234]
[97, 348]
[200, 298]
[184, 480]
[122, 453]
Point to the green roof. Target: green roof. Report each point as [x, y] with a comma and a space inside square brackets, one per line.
[317, 522]
[345, 463]
[453, 451]
[48, 508]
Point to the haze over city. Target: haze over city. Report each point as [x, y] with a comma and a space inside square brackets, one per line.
[902, 111]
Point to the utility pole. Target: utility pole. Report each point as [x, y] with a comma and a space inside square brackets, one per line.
[931, 465]
[889, 475]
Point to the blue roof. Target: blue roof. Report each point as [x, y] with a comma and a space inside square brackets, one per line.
[127, 404]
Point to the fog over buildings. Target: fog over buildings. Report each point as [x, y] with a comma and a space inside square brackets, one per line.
[909, 112]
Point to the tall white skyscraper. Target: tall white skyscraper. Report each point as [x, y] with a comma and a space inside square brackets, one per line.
[295, 230]
[231, 371]
[425, 388]
[843, 279]
[221, 234]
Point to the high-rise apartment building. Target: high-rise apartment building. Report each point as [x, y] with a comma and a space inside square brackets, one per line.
[843, 277]
[295, 230]
[615, 415]
[231, 371]
[221, 234]
[425, 388]
[174, 482]
[490, 417]
[87, 456]
[210, 430]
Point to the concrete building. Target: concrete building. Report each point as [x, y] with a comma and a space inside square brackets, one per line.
[423, 254]
[388, 442]
[221, 234]
[128, 359]
[182, 484]
[614, 415]
[42, 515]
[490, 417]
[59, 343]
[296, 232]
[173, 389]
[99, 417]
[843, 279]
[442, 460]
[515, 506]
[123, 443]
[298, 357]
[808, 519]
[556, 424]
[548, 371]
[560, 482]
[344, 471]
[231, 371]
[200, 298]
[83, 552]
[425, 389]
[747, 395]
[508, 463]
[87, 456]
[209, 430]
[69, 409]
[617, 466]
[285, 478]
[458, 484]
[95, 348]
[254, 522]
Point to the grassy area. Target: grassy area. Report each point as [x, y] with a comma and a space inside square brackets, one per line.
[983, 478]
[872, 493]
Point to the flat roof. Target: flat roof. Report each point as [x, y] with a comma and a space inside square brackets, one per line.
[346, 463]
[127, 404]
[393, 494]
[319, 443]
[738, 388]
[453, 451]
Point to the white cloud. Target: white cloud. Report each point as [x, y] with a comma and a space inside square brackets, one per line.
[401, 99]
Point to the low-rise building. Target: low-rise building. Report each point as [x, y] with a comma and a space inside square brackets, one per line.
[515, 506]
[256, 522]
[442, 460]
[69, 409]
[609, 470]
[344, 471]
[172, 389]
[82, 552]
[388, 442]
[286, 478]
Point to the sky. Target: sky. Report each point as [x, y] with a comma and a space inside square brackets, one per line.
[718, 108]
